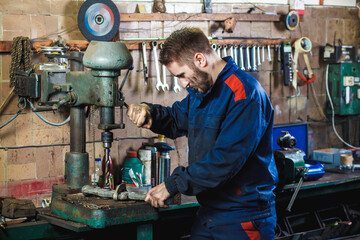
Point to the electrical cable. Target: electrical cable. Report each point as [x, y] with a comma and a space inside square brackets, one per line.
[16, 114]
[47, 121]
[333, 110]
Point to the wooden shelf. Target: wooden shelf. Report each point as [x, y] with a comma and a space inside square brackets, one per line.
[5, 46]
[241, 17]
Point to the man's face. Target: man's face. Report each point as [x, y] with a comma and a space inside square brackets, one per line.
[196, 79]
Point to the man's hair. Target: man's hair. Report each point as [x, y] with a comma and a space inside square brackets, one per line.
[182, 45]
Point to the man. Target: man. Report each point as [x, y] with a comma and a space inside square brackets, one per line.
[228, 120]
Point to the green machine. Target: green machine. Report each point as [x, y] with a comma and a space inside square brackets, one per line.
[344, 88]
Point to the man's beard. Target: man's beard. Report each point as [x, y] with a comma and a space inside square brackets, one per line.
[202, 80]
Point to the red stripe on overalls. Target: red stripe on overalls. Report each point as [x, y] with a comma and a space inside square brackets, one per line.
[237, 87]
[250, 230]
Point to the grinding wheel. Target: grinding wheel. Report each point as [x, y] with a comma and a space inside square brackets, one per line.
[292, 20]
[98, 20]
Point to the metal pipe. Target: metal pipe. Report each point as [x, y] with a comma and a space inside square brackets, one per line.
[77, 130]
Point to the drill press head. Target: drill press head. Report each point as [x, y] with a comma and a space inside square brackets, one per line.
[106, 59]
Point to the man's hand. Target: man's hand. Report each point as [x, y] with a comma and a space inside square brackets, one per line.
[140, 115]
[157, 196]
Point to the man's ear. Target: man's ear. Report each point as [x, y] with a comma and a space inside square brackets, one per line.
[200, 60]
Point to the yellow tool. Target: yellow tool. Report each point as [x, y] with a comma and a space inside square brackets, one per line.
[302, 45]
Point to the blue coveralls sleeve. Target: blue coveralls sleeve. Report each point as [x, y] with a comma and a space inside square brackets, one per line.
[239, 136]
[170, 121]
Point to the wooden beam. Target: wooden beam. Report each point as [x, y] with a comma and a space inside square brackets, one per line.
[140, 17]
[5, 46]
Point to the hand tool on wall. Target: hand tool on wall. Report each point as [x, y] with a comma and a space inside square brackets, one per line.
[176, 85]
[165, 85]
[236, 49]
[303, 46]
[253, 58]
[224, 50]
[218, 50]
[268, 53]
[241, 58]
[262, 53]
[258, 56]
[159, 85]
[231, 50]
[286, 62]
[144, 60]
[248, 63]
[98, 20]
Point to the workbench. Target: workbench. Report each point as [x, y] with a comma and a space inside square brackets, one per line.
[138, 220]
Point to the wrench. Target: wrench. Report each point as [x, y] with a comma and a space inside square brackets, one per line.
[176, 85]
[262, 53]
[248, 58]
[214, 47]
[269, 53]
[232, 51]
[218, 50]
[224, 50]
[165, 85]
[146, 72]
[241, 58]
[235, 54]
[254, 68]
[159, 84]
[258, 56]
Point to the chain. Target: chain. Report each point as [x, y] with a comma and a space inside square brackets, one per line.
[20, 57]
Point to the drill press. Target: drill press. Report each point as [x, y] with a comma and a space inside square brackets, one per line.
[99, 87]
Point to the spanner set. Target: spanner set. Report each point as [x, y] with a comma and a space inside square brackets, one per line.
[248, 57]
[161, 84]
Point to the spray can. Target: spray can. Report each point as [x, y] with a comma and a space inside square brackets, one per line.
[164, 160]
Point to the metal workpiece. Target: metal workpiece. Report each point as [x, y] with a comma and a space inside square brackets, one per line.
[119, 193]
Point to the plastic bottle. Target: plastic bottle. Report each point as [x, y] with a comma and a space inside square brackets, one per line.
[132, 162]
[97, 172]
[145, 158]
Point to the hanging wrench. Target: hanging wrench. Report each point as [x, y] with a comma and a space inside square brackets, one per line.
[159, 84]
[258, 56]
[176, 85]
[241, 58]
[224, 50]
[269, 53]
[236, 54]
[248, 58]
[145, 68]
[262, 53]
[165, 85]
[214, 47]
[232, 51]
[218, 50]
[254, 68]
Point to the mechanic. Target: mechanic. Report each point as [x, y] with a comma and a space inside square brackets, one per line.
[228, 119]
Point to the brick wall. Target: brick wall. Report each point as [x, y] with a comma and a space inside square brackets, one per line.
[28, 168]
